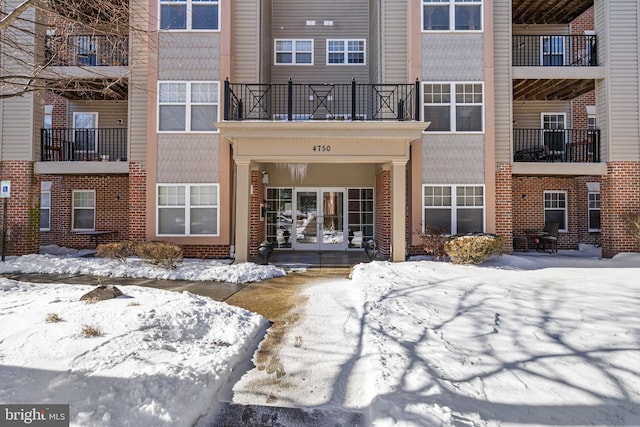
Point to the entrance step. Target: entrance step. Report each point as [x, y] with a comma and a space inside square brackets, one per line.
[234, 415]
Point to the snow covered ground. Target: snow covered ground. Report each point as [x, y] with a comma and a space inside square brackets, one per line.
[532, 339]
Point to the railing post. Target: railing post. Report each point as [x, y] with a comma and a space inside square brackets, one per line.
[353, 99]
[227, 99]
[290, 100]
[416, 115]
[401, 110]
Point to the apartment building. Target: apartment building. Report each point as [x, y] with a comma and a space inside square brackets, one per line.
[323, 125]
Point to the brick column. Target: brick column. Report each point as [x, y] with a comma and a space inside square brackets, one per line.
[257, 228]
[383, 211]
[23, 208]
[504, 204]
[619, 198]
[137, 202]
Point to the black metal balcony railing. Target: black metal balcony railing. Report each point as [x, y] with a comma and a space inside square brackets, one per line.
[555, 51]
[557, 145]
[86, 50]
[75, 144]
[351, 101]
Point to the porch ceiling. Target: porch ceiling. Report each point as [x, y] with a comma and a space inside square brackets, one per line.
[550, 89]
[548, 11]
[97, 89]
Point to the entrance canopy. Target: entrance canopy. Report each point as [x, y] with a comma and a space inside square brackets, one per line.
[327, 142]
[321, 141]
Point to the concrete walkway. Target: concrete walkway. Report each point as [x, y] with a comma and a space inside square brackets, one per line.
[279, 300]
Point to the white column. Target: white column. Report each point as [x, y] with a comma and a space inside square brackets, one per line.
[242, 223]
[398, 210]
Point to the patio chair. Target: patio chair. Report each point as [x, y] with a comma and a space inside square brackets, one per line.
[548, 240]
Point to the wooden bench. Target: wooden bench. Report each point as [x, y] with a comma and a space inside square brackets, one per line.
[96, 236]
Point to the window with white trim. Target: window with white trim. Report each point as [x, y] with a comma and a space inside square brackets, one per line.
[345, 52]
[45, 210]
[451, 15]
[293, 52]
[594, 211]
[187, 106]
[188, 209]
[190, 15]
[555, 208]
[454, 107]
[84, 210]
[454, 208]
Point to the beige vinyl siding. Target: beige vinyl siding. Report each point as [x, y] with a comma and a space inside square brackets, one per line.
[188, 158]
[139, 77]
[527, 114]
[109, 112]
[540, 29]
[453, 158]
[189, 56]
[602, 114]
[394, 42]
[502, 80]
[266, 41]
[452, 57]
[19, 136]
[374, 42]
[623, 81]
[350, 21]
[246, 42]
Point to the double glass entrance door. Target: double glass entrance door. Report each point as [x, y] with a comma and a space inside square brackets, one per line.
[319, 219]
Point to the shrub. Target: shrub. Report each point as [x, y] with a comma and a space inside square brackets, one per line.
[434, 239]
[473, 248]
[88, 331]
[162, 254]
[52, 318]
[634, 227]
[119, 250]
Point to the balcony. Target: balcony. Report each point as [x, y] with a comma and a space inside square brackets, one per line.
[555, 51]
[86, 50]
[556, 145]
[305, 102]
[75, 144]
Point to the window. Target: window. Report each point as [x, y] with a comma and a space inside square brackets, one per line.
[84, 210]
[188, 210]
[555, 208]
[190, 15]
[342, 52]
[594, 211]
[456, 208]
[445, 15]
[552, 50]
[454, 107]
[45, 210]
[187, 106]
[296, 52]
[48, 116]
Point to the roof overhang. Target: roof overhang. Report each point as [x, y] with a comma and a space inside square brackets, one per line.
[321, 141]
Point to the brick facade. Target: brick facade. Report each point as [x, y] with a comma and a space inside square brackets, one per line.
[23, 208]
[111, 213]
[383, 212]
[528, 207]
[620, 197]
